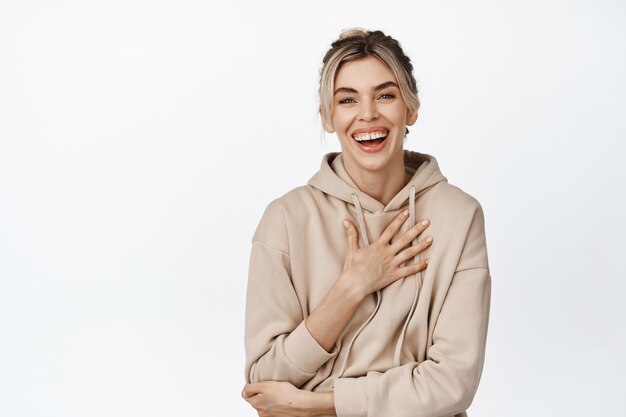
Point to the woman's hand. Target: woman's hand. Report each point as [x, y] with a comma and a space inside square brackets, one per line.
[375, 266]
[276, 399]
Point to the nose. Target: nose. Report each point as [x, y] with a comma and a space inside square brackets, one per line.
[368, 110]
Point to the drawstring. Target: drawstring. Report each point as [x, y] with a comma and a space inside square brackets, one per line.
[361, 219]
[418, 280]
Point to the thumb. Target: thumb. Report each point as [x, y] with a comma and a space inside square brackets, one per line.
[353, 236]
[252, 389]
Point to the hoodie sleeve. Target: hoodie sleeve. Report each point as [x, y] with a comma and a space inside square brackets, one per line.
[278, 344]
[445, 382]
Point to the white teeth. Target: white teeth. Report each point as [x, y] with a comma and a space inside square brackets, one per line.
[370, 136]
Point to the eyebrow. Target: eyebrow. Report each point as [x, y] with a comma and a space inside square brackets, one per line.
[378, 87]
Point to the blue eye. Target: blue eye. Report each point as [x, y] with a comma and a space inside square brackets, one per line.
[384, 96]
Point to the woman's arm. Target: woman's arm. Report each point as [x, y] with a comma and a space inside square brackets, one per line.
[281, 399]
[280, 344]
[333, 313]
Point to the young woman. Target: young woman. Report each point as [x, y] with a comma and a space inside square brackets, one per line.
[369, 287]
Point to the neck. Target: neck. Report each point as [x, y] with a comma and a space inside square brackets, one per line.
[382, 184]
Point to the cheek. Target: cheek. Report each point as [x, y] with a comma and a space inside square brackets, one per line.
[399, 114]
[341, 121]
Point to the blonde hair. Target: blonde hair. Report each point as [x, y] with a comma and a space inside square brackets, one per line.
[357, 43]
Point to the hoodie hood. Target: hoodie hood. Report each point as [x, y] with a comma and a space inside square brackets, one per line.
[334, 180]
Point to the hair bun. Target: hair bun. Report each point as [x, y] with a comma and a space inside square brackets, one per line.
[352, 33]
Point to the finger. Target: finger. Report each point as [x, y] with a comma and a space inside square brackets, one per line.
[409, 236]
[412, 269]
[253, 388]
[260, 405]
[254, 401]
[413, 250]
[246, 395]
[353, 235]
[393, 227]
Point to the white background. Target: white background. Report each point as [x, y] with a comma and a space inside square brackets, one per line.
[140, 142]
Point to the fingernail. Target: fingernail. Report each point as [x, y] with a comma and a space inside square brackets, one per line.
[426, 261]
[405, 212]
[425, 222]
[346, 224]
[429, 239]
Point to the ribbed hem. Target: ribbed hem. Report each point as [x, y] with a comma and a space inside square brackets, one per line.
[351, 397]
[304, 352]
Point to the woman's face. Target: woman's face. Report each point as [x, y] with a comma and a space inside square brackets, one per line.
[367, 100]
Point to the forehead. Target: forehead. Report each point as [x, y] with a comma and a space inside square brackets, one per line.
[363, 72]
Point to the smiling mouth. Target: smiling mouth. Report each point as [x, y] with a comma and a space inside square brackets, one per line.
[371, 142]
[371, 138]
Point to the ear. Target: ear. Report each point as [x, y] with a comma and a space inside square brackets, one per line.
[327, 128]
[411, 118]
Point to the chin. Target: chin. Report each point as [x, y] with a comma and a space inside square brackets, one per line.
[372, 162]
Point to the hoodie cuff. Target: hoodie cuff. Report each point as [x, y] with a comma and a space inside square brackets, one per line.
[304, 352]
[350, 396]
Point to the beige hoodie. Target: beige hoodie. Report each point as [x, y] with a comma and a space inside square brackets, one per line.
[412, 349]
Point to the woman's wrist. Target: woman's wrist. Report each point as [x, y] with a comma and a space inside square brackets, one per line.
[318, 403]
[351, 289]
